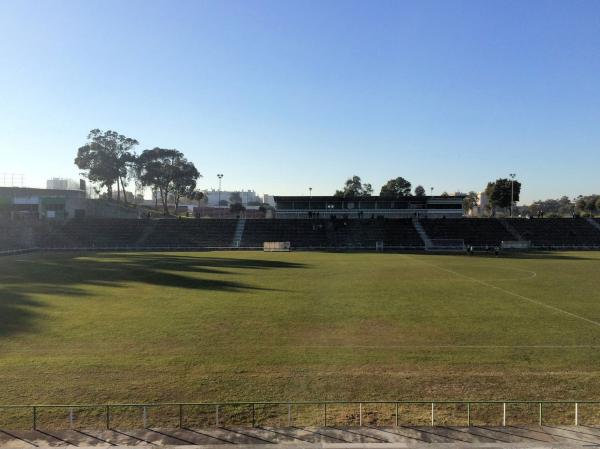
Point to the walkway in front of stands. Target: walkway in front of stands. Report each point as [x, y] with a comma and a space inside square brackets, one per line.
[310, 437]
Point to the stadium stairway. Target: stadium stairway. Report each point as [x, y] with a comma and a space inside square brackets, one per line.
[511, 229]
[141, 241]
[421, 231]
[594, 223]
[238, 235]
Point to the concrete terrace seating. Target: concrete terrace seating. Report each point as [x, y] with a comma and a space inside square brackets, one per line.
[191, 233]
[325, 233]
[92, 233]
[13, 236]
[474, 231]
[300, 233]
[401, 232]
[109, 233]
[557, 232]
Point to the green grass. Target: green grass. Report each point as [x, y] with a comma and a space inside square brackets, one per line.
[91, 328]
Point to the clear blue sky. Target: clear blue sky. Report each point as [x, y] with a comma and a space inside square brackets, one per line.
[283, 95]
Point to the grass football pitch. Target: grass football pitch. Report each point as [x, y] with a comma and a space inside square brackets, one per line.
[217, 326]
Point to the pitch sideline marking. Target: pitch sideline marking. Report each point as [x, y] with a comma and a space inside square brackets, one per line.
[508, 292]
[446, 346]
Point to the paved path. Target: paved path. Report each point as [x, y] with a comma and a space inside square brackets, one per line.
[311, 437]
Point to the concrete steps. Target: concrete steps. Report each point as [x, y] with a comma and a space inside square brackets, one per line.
[510, 228]
[238, 235]
[594, 223]
[421, 231]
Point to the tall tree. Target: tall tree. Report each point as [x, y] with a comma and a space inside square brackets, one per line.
[107, 159]
[469, 202]
[354, 188]
[395, 188]
[98, 166]
[236, 208]
[580, 204]
[168, 172]
[499, 192]
[587, 204]
[198, 196]
[235, 198]
[419, 191]
[184, 180]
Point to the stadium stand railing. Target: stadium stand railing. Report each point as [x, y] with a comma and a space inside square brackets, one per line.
[446, 245]
[305, 413]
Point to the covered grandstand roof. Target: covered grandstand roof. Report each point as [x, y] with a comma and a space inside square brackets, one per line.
[366, 198]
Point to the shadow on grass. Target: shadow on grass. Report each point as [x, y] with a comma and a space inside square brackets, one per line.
[17, 312]
[23, 277]
[548, 255]
[536, 254]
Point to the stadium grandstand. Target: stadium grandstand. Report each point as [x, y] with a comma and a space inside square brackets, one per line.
[302, 234]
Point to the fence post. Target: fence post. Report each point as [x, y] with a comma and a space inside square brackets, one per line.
[289, 414]
[145, 417]
[432, 421]
[180, 416]
[360, 414]
[34, 417]
[253, 415]
[468, 414]
[396, 414]
[217, 414]
[71, 418]
[325, 414]
[107, 416]
[576, 414]
[504, 414]
[540, 413]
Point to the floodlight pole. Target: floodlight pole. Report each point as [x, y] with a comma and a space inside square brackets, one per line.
[220, 176]
[309, 197]
[512, 192]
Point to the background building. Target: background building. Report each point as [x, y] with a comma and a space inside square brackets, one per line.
[404, 207]
[481, 208]
[269, 199]
[43, 203]
[63, 184]
[248, 196]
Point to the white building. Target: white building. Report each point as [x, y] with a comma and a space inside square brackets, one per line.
[480, 208]
[62, 184]
[269, 199]
[213, 196]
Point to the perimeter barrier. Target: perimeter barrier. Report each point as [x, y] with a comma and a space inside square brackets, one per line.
[302, 413]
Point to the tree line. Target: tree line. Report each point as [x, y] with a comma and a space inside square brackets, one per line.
[500, 192]
[585, 206]
[354, 187]
[108, 159]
